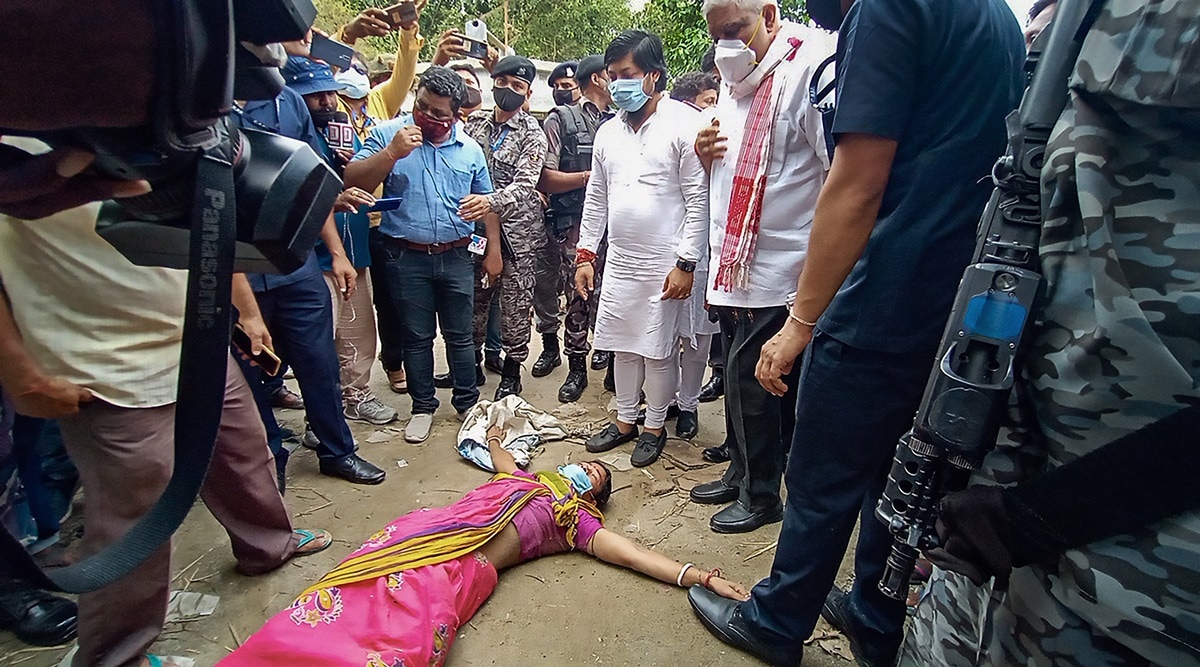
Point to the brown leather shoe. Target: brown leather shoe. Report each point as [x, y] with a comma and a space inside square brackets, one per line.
[398, 381]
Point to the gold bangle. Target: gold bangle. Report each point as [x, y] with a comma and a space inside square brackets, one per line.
[801, 321]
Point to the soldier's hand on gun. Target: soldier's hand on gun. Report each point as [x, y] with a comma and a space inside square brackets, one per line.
[710, 144]
[779, 355]
[677, 285]
[35, 186]
[474, 207]
[404, 142]
[49, 397]
[585, 276]
[351, 199]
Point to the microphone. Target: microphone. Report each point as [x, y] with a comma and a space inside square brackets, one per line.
[340, 133]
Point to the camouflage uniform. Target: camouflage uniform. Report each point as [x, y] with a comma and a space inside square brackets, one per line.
[1119, 348]
[515, 151]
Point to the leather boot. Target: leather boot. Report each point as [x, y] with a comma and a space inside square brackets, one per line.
[572, 388]
[510, 380]
[549, 359]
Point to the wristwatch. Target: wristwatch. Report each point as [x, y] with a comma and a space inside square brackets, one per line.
[685, 266]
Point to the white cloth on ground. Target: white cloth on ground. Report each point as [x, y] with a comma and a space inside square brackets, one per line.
[649, 191]
[525, 427]
[799, 161]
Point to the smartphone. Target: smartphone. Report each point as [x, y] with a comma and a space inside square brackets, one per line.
[340, 135]
[386, 204]
[402, 12]
[333, 52]
[266, 360]
[474, 48]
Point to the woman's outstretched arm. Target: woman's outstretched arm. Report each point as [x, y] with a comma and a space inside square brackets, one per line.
[502, 460]
[612, 548]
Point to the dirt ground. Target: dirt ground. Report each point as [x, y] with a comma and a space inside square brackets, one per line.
[564, 609]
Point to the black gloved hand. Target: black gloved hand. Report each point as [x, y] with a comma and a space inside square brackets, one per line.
[981, 537]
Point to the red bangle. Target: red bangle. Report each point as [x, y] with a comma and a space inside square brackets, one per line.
[583, 256]
[715, 572]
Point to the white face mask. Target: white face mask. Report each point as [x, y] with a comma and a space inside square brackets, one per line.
[355, 84]
[735, 60]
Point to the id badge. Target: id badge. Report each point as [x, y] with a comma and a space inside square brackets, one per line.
[478, 245]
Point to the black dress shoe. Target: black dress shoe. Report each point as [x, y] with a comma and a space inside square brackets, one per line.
[649, 447]
[353, 469]
[716, 454]
[837, 614]
[714, 493]
[601, 360]
[36, 617]
[687, 424]
[446, 380]
[714, 388]
[610, 437]
[723, 617]
[737, 518]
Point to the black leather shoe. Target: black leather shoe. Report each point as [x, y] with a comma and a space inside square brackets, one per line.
[353, 469]
[716, 454]
[572, 388]
[601, 360]
[446, 380]
[610, 437]
[609, 383]
[737, 518]
[723, 617]
[687, 424]
[649, 447]
[714, 388]
[714, 493]
[36, 617]
[549, 359]
[837, 614]
[510, 381]
[493, 362]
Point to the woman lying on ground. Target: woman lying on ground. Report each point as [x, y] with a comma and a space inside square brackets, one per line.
[402, 596]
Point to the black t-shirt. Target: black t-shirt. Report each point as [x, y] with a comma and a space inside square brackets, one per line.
[939, 77]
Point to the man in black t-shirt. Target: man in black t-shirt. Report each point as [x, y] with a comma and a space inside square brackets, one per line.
[923, 89]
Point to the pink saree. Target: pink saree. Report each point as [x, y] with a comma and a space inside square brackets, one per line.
[401, 597]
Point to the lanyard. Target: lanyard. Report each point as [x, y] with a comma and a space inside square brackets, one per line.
[500, 142]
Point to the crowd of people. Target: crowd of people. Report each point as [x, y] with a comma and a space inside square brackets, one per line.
[794, 215]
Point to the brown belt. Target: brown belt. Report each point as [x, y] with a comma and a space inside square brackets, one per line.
[432, 248]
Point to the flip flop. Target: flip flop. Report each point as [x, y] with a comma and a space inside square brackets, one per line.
[307, 537]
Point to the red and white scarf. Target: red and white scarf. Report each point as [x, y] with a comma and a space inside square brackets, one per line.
[750, 174]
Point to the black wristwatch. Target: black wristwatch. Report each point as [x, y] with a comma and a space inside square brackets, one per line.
[685, 266]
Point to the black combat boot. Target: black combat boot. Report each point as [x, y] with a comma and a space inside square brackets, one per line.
[510, 380]
[549, 359]
[572, 388]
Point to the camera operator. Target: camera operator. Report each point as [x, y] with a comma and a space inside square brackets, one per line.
[1115, 347]
[114, 393]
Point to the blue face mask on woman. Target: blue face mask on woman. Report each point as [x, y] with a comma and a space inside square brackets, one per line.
[629, 94]
[577, 476]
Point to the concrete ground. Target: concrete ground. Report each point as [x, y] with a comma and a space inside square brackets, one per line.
[563, 609]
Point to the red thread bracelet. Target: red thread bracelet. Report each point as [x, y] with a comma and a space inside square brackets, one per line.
[583, 256]
[715, 572]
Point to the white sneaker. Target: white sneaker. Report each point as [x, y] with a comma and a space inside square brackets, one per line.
[418, 428]
[367, 407]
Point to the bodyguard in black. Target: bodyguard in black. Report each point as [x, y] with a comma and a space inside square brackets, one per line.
[923, 89]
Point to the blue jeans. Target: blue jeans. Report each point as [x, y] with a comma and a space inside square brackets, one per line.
[493, 326]
[300, 319]
[435, 291]
[853, 407]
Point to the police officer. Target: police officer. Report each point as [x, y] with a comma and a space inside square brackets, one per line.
[570, 131]
[563, 86]
[1116, 348]
[515, 147]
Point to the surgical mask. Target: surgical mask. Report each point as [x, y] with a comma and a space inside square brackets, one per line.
[431, 128]
[629, 94]
[321, 117]
[507, 99]
[826, 13]
[564, 98]
[735, 59]
[355, 84]
[577, 476]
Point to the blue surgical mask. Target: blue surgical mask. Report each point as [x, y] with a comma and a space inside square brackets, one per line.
[577, 476]
[628, 94]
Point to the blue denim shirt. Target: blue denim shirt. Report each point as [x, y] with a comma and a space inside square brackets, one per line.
[432, 181]
[286, 115]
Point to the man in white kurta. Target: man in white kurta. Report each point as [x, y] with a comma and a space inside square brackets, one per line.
[648, 191]
[768, 62]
